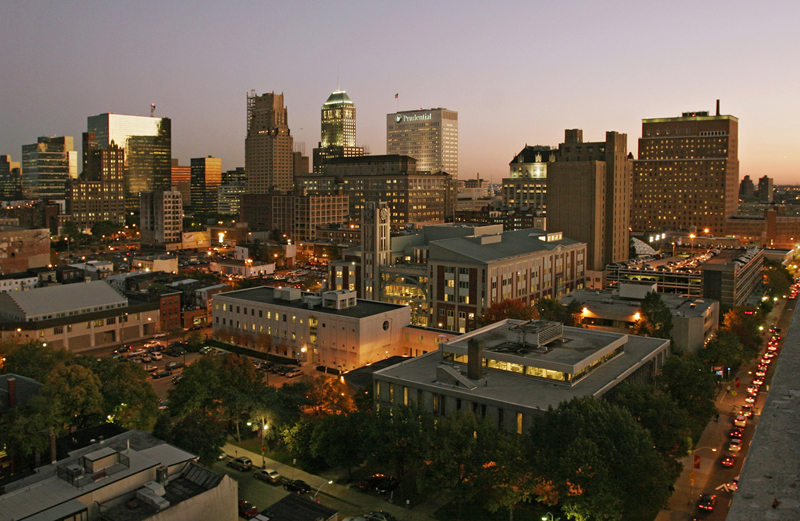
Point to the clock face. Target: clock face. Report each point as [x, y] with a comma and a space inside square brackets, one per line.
[384, 214]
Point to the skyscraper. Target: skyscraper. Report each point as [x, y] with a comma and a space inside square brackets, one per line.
[269, 161]
[430, 136]
[161, 218]
[182, 179]
[206, 177]
[10, 178]
[687, 174]
[99, 194]
[766, 189]
[47, 165]
[588, 197]
[147, 142]
[338, 131]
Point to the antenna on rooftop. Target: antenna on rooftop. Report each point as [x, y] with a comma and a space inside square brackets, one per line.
[152, 109]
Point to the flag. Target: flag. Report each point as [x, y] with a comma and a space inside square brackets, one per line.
[396, 95]
[696, 461]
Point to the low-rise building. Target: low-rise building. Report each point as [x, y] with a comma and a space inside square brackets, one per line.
[167, 263]
[129, 477]
[335, 329]
[23, 248]
[18, 281]
[241, 268]
[513, 371]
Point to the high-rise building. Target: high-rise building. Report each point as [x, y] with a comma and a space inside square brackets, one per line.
[526, 186]
[206, 178]
[147, 142]
[338, 131]
[747, 190]
[182, 179]
[161, 222]
[10, 179]
[47, 165]
[269, 158]
[430, 136]
[99, 194]
[376, 246]
[588, 197]
[766, 187]
[687, 174]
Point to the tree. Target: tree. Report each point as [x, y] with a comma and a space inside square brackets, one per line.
[329, 396]
[744, 326]
[687, 380]
[198, 388]
[553, 310]
[725, 349]
[200, 433]
[601, 463]
[777, 277]
[107, 228]
[71, 232]
[298, 439]
[73, 392]
[339, 439]
[34, 360]
[512, 479]
[241, 386]
[516, 309]
[656, 318]
[24, 431]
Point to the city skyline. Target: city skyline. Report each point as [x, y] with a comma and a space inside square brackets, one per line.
[518, 74]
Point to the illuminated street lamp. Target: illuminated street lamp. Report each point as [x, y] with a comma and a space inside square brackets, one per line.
[320, 488]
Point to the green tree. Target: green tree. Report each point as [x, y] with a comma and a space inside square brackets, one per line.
[107, 228]
[241, 388]
[329, 396]
[656, 318]
[512, 480]
[777, 277]
[34, 360]
[339, 439]
[600, 461]
[73, 392]
[726, 350]
[744, 326]
[516, 309]
[553, 310]
[298, 439]
[198, 390]
[200, 433]
[689, 382]
[25, 430]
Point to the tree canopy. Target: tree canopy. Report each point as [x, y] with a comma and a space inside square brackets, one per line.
[656, 318]
[689, 382]
[552, 309]
[516, 309]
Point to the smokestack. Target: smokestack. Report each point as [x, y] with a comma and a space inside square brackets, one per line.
[717, 107]
[474, 359]
[12, 392]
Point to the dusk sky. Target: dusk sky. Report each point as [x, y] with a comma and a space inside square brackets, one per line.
[516, 72]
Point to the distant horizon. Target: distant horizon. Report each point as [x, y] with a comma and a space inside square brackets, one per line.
[515, 72]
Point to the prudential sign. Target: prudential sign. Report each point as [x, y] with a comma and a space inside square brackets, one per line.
[403, 118]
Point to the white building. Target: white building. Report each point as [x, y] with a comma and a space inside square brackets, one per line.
[18, 281]
[430, 136]
[161, 218]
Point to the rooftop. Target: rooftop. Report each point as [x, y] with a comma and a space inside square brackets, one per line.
[488, 248]
[298, 508]
[55, 301]
[610, 302]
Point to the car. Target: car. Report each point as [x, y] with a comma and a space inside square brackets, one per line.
[707, 502]
[747, 410]
[277, 368]
[174, 365]
[162, 405]
[205, 350]
[294, 371]
[268, 475]
[735, 445]
[728, 460]
[151, 368]
[162, 374]
[298, 486]
[752, 389]
[772, 348]
[241, 463]
[177, 378]
[769, 355]
[138, 352]
[380, 515]
[156, 355]
[247, 510]
[758, 381]
[118, 356]
[740, 421]
[123, 349]
[750, 398]
[761, 374]
[371, 482]
[766, 360]
[733, 484]
[736, 432]
[135, 360]
[146, 358]
[388, 484]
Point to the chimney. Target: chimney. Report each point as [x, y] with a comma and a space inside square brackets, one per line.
[474, 359]
[717, 107]
[12, 392]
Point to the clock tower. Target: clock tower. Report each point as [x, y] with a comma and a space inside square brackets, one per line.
[375, 246]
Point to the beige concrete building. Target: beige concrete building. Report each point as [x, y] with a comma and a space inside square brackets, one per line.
[526, 186]
[268, 147]
[161, 218]
[23, 248]
[429, 135]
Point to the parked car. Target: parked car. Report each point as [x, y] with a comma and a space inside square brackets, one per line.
[177, 378]
[205, 350]
[156, 355]
[388, 484]
[151, 368]
[294, 371]
[298, 485]
[707, 502]
[162, 374]
[728, 460]
[174, 365]
[380, 515]
[162, 405]
[268, 475]
[247, 510]
[241, 463]
[370, 482]
[735, 445]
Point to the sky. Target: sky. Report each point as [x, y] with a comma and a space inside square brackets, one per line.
[516, 72]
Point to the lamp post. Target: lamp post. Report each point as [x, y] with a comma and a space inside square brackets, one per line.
[264, 428]
[691, 475]
[692, 236]
[320, 488]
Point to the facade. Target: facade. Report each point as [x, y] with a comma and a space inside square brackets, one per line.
[105, 480]
[766, 189]
[430, 136]
[181, 177]
[205, 181]
[147, 142]
[269, 159]
[165, 263]
[161, 219]
[229, 198]
[338, 138]
[694, 320]
[687, 174]
[335, 330]
[241, 268]
[169, 310]
[747, 190]
[47, 166]
[514, 371]
[21, 281]
[294, 214]
[10, 178]
[773, 229]
[509, 218]
[99, 194]
[23, 248]
[588, 197]
[526, 186]
[76, 317]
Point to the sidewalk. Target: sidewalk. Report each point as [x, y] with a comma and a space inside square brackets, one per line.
[682, 504]
[346, 494]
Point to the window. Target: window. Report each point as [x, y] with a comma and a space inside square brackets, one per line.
[58, 330]
[110, 321]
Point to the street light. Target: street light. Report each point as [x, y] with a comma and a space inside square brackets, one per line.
[320, 488]
[264, 428]
[691, 477]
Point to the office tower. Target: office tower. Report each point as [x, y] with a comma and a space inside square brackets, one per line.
[47, 165]
[269, 161]
[687, 174]
[181, 177]
[10, 179]
[338, 131]
[99, 194]
[206, 178]
[147, 142]
[161, 218]
[765, 189]
[526, 186]
[375, 245]
[237, 175]
[430, 136]
[747, 190]
[588, 197]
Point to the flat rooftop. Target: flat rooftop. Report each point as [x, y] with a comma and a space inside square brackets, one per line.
[608, 302]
